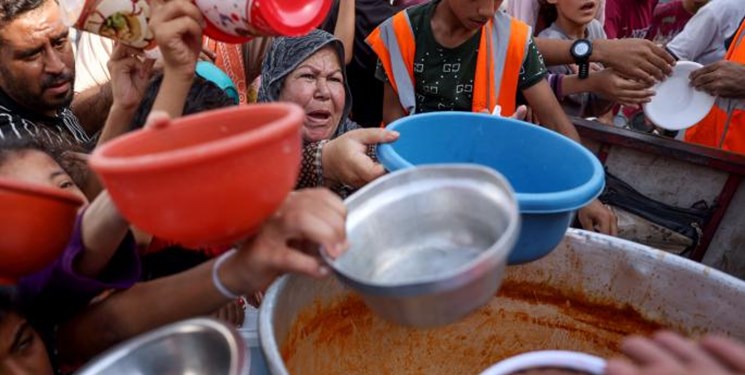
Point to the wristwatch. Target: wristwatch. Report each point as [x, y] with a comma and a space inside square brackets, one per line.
[581, 51]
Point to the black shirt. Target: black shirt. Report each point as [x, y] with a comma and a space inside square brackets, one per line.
[367, 91]
[18, 122]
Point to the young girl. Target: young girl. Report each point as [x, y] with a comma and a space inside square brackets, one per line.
[99, 256]
[575, 19]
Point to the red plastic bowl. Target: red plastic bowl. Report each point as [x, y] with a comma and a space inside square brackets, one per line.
[36, 223]
[205, 180]
[278, 18]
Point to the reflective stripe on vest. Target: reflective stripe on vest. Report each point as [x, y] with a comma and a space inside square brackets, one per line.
[502, 51]
[724, 126]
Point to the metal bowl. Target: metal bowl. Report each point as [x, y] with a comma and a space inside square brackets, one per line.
[195, 347]
[429, 245]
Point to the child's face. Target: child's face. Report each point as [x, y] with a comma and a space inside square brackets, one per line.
[579, 12]
[38, 168]
[21, 349]
[473, 14]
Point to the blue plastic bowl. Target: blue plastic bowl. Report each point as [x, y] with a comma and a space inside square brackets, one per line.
[552, 175]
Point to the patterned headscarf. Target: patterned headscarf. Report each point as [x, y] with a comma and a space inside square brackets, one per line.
[286, 54]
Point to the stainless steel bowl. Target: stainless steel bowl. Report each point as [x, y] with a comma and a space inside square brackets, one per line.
[194, 347]
[430, 244]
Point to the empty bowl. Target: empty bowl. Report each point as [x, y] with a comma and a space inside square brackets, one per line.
[559, 361]
[35, 225]
[194, 347]
[207, 179]
[676, 104]
[429, 245]
[552, 175]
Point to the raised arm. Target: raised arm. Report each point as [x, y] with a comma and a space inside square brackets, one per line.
[103, 230]
[344, 29]
[637, 59]
[177, 26]
[130, 76]
[309, 217]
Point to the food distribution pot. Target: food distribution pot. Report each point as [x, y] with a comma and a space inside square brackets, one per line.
[585, 296]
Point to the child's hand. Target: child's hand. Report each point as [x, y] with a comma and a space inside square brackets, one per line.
[232, 313]
[345, 159]
[130, 75]
[599, 218]
[290, 240]
[669, 353]
[624, 91]
[177, 26]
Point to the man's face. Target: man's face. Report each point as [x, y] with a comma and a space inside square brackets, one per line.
[21, 350]
[37, 66]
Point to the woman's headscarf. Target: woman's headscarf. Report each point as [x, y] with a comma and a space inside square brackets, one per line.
[286, 54]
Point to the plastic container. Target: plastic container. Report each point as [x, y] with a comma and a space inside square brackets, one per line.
[237, 21]
[230, 21]
[212, 73]
[205, 180]
[35, 225]
[554, 359]
[552, 175]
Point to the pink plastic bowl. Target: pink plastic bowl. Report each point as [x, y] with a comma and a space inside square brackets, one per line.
[208, 179]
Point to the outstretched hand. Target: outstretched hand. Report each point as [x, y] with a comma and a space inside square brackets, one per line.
[130, 75]
[345, 159]
[637, 59]
[177, 26]
[291, 239]
[599, 218]
[722, 78]
[625, 91]
[668, 353]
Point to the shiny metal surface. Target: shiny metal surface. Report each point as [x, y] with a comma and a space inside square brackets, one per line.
[672, 290]
[193, 347]
[429, 244]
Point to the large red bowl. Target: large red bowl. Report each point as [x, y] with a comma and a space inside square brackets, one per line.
[207, 179]
[36, 223]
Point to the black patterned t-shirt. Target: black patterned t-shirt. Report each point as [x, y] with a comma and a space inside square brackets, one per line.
[445, 76]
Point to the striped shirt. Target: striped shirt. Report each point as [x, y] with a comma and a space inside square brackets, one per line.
[63, 129]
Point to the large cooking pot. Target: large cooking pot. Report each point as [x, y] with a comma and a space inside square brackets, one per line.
[585, 296]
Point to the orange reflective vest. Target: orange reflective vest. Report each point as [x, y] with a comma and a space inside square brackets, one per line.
[724, 126]
[502, 50]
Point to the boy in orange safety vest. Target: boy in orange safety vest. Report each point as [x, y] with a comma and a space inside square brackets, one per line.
[724, 126]
[466, 55]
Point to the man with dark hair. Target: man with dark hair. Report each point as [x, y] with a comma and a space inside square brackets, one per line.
[37, 71]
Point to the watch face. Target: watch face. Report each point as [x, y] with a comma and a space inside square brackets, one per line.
[581, 49]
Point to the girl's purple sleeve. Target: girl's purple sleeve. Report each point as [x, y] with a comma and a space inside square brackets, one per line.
[59, 289]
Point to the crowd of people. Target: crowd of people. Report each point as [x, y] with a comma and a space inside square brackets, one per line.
[63, 93]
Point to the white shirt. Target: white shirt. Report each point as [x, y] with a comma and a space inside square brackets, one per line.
[93, 53]
[702, 40]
